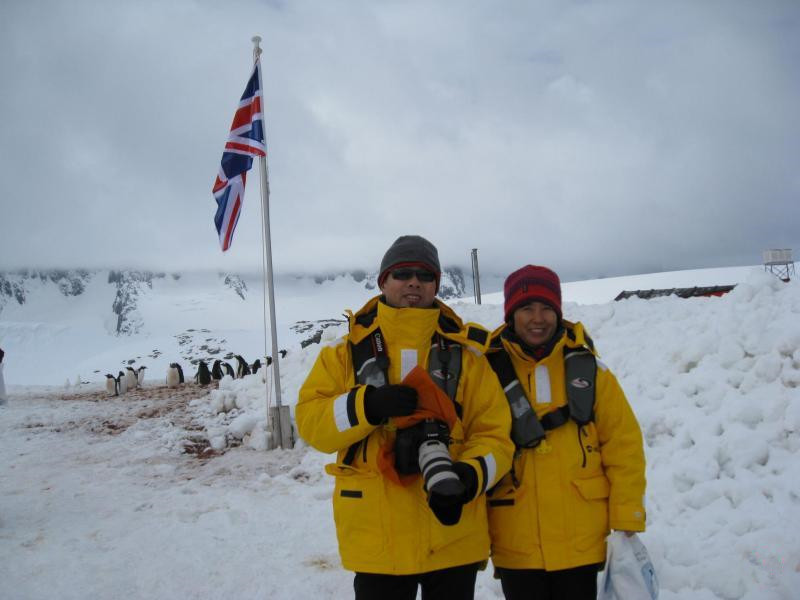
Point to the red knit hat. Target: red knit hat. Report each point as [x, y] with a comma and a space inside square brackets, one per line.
[532, 283]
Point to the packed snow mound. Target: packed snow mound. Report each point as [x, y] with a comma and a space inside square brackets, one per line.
[715, 384]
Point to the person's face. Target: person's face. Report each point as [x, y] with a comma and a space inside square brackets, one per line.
[404, 289]
[535, 323]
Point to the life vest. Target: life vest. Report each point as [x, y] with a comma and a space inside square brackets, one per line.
[580, 370]
[371, 362]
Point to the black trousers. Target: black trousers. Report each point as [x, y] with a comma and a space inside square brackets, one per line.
[579, 583]
[455, 583]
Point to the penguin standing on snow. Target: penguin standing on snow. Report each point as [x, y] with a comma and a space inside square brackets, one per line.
[242, 367]
[228, 370]
[216, 370]
[140, 376]
[174, 375]
[130, 377]
[256, 366]
[122, 383]
[111, 385]
[283, 353]
[269, 360]
[203, 376]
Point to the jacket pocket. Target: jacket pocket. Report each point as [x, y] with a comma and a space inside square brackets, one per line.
[591, 512]
[358, 506]
[511, 525]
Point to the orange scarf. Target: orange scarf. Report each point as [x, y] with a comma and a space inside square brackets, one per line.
[432, 403]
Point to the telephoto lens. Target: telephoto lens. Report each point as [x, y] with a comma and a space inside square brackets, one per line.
[436, 464]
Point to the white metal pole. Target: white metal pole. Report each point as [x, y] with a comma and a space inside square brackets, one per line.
[268, 251]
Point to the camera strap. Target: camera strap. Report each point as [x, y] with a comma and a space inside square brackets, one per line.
[371, 367]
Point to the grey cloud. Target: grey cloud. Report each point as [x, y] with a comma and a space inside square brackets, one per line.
[601, 139]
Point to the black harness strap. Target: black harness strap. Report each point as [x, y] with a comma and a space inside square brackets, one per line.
[526, 430]
[444, 367]
[580, 371]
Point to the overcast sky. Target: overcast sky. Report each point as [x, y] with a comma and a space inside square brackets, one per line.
[599, 138]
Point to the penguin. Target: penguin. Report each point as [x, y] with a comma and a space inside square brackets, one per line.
[216, 370]
[228, 370]
[140, 376]
[269, 360]
[122, 383]
[242, 368]
[203, 376]
[256, 366]
[130, 378]
[283, 353]
[173, 375]
[111, 385]
[180, 373]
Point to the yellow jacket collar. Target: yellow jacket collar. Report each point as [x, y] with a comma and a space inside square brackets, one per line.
[447, 323]
[574, 337]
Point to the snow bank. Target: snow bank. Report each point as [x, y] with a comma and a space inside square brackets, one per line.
[714, 383]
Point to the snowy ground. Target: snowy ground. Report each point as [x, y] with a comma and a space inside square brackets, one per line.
[168, 494]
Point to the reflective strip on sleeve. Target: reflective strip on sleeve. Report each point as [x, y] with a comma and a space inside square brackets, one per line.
[344, 411]
[489, 471]
[542, 376]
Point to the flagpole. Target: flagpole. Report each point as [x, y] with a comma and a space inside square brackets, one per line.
[281, 424]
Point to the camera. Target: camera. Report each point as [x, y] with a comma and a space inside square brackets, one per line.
[422, 448]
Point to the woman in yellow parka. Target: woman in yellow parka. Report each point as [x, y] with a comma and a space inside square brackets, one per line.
[573, 482]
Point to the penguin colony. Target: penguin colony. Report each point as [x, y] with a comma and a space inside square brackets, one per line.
[131, 378]
[125, 381]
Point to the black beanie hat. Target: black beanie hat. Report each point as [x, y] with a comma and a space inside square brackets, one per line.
[408, 251]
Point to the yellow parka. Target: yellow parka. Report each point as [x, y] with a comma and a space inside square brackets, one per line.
[382, 526]
[556, 506]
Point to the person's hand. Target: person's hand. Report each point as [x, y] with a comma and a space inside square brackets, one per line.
[389, 401]
[447, 507]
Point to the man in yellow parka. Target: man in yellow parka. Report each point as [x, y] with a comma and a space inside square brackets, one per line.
[579, 466]
[398, 530]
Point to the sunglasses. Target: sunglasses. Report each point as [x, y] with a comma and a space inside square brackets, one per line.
[406, 274]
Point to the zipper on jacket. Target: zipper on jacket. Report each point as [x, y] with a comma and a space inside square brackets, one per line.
[513, 472]
[580, 443]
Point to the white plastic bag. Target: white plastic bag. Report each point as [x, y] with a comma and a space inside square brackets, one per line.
[629, 573]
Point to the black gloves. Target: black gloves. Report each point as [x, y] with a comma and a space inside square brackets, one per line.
[468, 477]
[448, 508]
[388, 401]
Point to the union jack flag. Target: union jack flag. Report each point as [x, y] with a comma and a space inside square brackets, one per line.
[245, 141]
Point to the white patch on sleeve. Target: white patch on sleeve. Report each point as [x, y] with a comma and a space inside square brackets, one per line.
[542, 376]
[340, 413]
[491, 470]
[408, 360]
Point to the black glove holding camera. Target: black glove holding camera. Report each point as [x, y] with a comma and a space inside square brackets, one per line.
[388, 401]
[447, 502]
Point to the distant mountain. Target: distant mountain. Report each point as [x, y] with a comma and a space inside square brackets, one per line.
[129, 285]
[87, 323]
